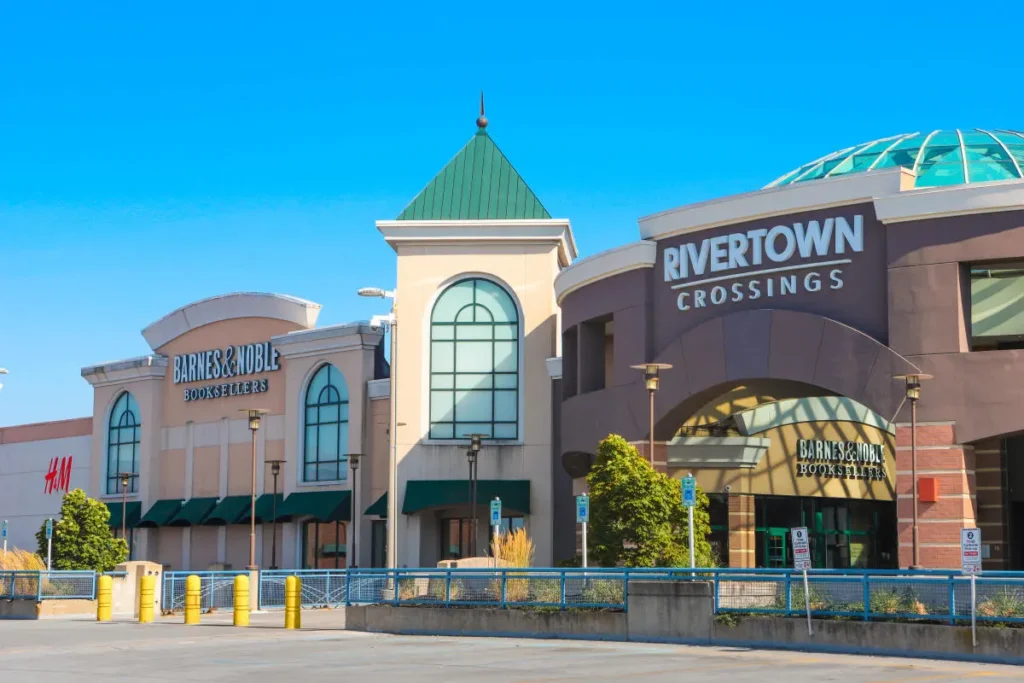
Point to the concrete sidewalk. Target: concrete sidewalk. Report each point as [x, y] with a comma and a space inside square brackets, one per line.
[89, 652]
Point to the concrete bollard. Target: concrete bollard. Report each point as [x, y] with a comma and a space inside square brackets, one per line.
[147, 595]
[104, 598]
[241, 600]
[193, 600]
[293, 602]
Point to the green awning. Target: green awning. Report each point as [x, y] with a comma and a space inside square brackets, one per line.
[332, 549]
[229, 510]
[134, 510]
[325, 506]
[380, 508]
[421, 494]
[193, 512]
[264, 509]
[162, 512]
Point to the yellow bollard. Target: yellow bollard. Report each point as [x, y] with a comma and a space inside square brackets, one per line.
[147, 593]
[241, 600]
[104, 598]
[293, 602]
[193, 588]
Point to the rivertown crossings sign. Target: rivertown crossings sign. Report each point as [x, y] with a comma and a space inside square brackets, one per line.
[223, 364]
[703, 272]
[840, 460]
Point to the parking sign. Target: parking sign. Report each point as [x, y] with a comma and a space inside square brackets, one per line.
[496, 512]
[3, 530]
[689, 492]
[801, 549]
[582, 509]
[970, 551]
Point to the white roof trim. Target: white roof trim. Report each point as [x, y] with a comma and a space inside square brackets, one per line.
[377, 389]
[302, 343]
[544, 230]
[128, 370]
[227, 307]
[628, 257]
[776, 201]
[955, 200]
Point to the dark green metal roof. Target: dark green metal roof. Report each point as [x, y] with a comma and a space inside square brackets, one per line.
[134, 512]
[162, 512]
[229, 510]
[379, 508]
[325, 506]
[478, 184]
[422, 494]
[194, 512]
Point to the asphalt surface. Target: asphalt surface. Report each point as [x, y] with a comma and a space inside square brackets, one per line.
[88, 652]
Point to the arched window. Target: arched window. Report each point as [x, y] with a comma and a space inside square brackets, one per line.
[326, 442]
[474, 362]
[123, 435]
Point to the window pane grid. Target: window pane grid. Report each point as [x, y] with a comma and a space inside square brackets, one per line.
[474, 362]
[326, 430]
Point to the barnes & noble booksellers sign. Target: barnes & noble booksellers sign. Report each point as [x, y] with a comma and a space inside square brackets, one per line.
[229, 365]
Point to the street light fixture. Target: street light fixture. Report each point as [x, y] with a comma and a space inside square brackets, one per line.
[913, 394]
[255, 415]
[472, 454]
[126, 479]
[275, 470]
[353, 462]
[651, 380]
[389, 322]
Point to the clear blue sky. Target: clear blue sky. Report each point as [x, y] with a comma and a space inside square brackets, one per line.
[152, 156]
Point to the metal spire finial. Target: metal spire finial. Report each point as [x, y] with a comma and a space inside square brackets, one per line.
[482, 121]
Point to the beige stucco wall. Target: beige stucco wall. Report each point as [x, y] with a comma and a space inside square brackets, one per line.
[206, 472]
[527, 270]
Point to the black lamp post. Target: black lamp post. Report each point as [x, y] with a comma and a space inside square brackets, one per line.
[353, 462]
[275, 470]
[471, 456]
[126, 479]
[651, 380]
[913, 394]
[254, 424]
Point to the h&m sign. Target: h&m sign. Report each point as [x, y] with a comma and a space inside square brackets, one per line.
[223, 364]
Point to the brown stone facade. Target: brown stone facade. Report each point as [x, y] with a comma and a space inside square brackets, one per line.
[742, 539]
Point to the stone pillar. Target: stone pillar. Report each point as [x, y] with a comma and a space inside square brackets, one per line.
[742, 538]
[952, 467]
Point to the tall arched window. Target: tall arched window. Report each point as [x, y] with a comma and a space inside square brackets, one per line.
[326, 442]
[474, 362]
[123, 435]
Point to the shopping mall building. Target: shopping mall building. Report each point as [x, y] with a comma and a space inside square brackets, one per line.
[790, 316]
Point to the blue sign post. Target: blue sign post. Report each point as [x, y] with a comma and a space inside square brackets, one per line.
[3, 534]
[496, 517]
[689, 502]
[583, 517]
[49, 543]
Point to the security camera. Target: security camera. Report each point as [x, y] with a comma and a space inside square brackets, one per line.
[728, 487]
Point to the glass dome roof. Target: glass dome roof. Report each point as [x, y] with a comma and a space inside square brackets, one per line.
[941, 157]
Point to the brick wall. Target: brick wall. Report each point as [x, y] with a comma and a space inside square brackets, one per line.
[953, 465]
[742, 538]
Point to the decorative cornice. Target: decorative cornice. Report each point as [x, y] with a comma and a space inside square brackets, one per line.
[776, 201]
[377, 389]
[958, 200]
[535, 231]
[357, 335]
[123, 371]
[228, 307]
[605, 264]
[554, 367]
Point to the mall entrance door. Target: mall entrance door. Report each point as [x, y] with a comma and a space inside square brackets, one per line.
[843, 533]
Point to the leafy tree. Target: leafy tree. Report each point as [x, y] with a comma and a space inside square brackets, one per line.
[81, 537]
[636, 513]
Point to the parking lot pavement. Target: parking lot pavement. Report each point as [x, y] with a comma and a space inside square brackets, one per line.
[88, 652]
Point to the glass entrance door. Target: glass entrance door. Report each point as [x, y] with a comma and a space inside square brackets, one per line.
[776, 549]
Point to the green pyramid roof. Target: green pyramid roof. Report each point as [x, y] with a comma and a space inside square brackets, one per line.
[478, 184]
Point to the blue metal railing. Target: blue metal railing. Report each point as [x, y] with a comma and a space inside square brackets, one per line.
[216, 590]
[44, 585]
